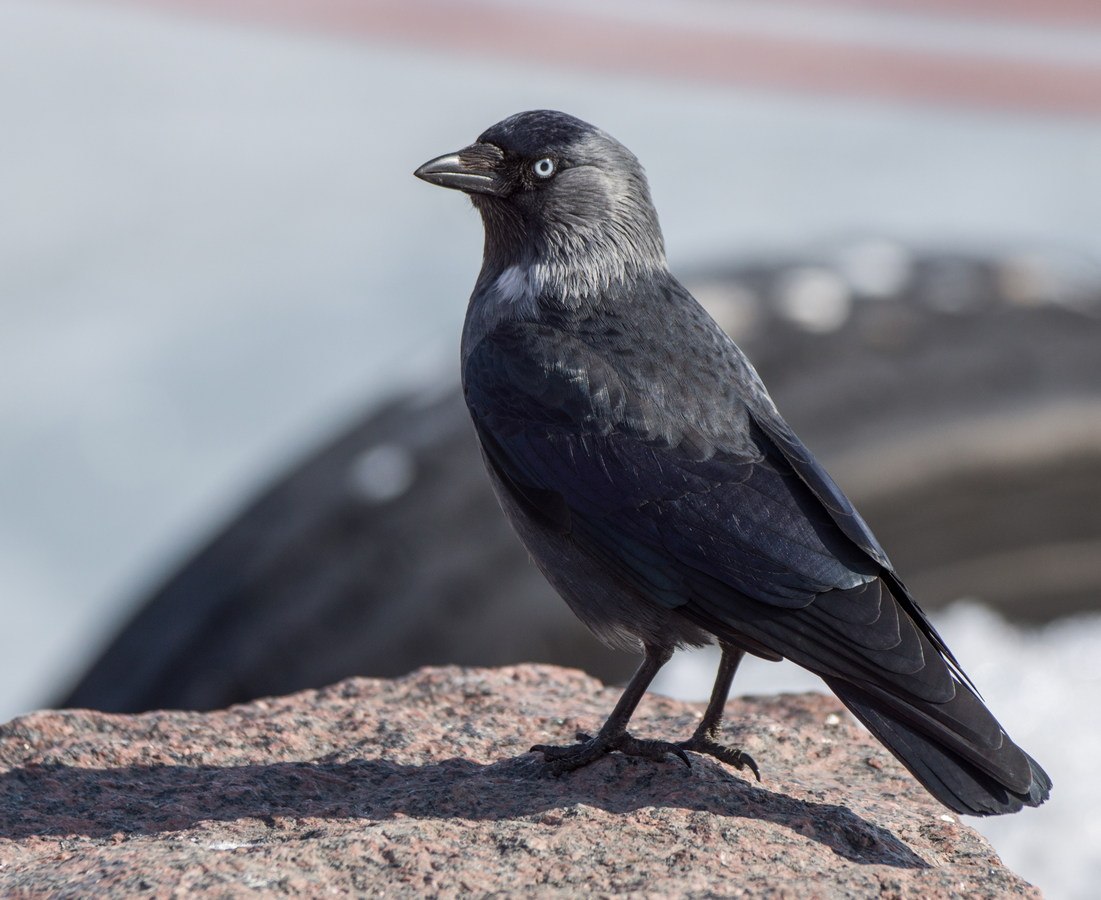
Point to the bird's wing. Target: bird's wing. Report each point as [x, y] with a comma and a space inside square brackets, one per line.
[780, 436]
[750, 538]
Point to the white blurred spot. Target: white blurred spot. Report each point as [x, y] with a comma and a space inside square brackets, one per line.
[1038, 278]
[875, 268]
[815, 298]
[383, 473]
[733, 306]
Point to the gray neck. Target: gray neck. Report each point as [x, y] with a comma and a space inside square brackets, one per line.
[572, 262]
[579, 266]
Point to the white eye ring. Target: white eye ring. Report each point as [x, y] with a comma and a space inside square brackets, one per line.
[543, 168]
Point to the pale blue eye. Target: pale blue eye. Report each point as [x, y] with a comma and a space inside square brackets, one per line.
[543, 168]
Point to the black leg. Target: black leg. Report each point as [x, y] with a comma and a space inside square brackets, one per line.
[713, 716]
[613, 735]
[706, 737]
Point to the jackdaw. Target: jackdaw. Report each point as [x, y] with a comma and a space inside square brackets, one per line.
[640, 459]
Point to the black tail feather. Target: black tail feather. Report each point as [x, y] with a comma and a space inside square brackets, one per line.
[963, 776]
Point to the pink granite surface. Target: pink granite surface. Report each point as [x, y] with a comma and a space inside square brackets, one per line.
[422, 786]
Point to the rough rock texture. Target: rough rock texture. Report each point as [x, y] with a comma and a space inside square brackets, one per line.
[423, 786]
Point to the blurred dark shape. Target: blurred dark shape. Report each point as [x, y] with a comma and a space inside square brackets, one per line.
[382, 552]
[956, 399]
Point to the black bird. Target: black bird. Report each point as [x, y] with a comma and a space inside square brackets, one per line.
[642, 462]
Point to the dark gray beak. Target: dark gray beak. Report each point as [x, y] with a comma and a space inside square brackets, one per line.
[475, 169]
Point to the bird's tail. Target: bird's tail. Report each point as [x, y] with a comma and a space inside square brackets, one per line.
[957, 750]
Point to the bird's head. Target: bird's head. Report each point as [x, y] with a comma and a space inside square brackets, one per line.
[562, 202]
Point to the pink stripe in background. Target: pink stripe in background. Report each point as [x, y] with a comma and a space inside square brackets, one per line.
[1040, 12]
[557, 36]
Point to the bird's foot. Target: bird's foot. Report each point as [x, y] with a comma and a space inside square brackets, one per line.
[565, 759]
[704, 743]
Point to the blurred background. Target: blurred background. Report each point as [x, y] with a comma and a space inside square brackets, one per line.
[233, 460]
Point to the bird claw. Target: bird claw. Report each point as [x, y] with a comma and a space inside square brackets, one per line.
[729, 755]
[589, 749]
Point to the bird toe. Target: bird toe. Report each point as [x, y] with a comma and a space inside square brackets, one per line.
[729, 755]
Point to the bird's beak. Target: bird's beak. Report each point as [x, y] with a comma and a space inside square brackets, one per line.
[474, 169]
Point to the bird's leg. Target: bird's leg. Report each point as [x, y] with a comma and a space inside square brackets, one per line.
[706, 737]
[613, 735]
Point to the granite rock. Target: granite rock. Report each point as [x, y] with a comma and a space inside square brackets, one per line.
[423, 785]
